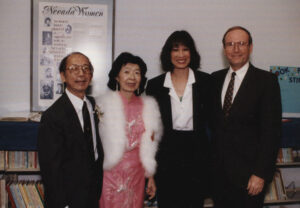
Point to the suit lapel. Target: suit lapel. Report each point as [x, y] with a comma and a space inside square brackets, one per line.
[197, 105]
[219, 87]
[95, 116]
[164, 102]
[167, 108]
[72, 114]
[243, 90]
[96, 121]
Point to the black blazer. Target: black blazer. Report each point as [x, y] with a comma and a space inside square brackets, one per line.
[247, 141]
[202, 105]
[202, 100]
[69, 175]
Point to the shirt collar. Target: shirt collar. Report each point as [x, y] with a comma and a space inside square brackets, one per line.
[168, 81]
[241, 72]
[76, 101]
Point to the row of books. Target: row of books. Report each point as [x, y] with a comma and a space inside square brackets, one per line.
[276, 189]
[288, 155]
[25, 194]
[285, 155]
[13, 160]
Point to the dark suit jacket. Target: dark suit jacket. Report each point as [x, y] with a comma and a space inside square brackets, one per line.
[202, 105]
[247, 142]
[69, 175]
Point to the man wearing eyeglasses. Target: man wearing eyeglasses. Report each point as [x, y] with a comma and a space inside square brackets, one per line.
[69, 146]
[247, 126]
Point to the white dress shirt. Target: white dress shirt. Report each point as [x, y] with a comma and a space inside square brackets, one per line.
[182, 111]
[78, 104]
[240, 74]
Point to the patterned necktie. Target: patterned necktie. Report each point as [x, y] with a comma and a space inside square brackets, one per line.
[228, 95]
[88, 130]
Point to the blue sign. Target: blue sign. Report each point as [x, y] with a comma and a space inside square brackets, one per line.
[289, 80]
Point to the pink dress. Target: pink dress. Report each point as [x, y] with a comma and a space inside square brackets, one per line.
[123, 185]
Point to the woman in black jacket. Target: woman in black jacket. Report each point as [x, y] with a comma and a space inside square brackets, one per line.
[185, 100]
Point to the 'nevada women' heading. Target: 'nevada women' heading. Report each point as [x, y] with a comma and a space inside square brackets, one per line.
[72, 11]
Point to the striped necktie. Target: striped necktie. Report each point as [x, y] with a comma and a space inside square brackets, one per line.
[228, 95]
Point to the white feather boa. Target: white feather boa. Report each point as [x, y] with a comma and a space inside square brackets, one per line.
[113, 134]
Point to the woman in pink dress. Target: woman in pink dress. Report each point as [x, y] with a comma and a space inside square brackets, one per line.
[130, 129]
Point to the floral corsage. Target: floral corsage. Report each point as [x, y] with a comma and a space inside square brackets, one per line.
[98, 112]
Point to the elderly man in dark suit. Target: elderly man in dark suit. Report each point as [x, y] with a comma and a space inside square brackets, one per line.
[69, 146]
[247, 126]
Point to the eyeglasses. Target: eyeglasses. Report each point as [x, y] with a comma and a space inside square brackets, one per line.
[75, 69]
[240, 44]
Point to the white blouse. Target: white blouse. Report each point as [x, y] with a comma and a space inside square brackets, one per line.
[182, 109]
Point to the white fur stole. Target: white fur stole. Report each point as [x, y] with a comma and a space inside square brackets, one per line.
[113, 134]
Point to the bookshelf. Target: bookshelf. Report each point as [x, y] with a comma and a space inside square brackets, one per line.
[20, 175]
[22, 136]
[290, 200]
[288, 164]
[281, 193]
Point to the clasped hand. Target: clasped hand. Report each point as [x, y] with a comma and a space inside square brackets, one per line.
[151, 187]
[255, 185]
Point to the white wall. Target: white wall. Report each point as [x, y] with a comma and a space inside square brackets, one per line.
[142, 26]
[14, 55]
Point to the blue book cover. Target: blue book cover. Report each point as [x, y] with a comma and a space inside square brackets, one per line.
[289, 81]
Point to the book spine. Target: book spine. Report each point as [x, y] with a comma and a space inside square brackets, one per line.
[31, 204]
[24, 195]
[2, 160]
[19, 196]
[36, 196]
[41, 190]
[14, 195]
[10, 196]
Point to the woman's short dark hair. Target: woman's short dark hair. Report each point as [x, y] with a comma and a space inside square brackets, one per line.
[63, 63]
[175, 39]
[123, 59]
[237, 28]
